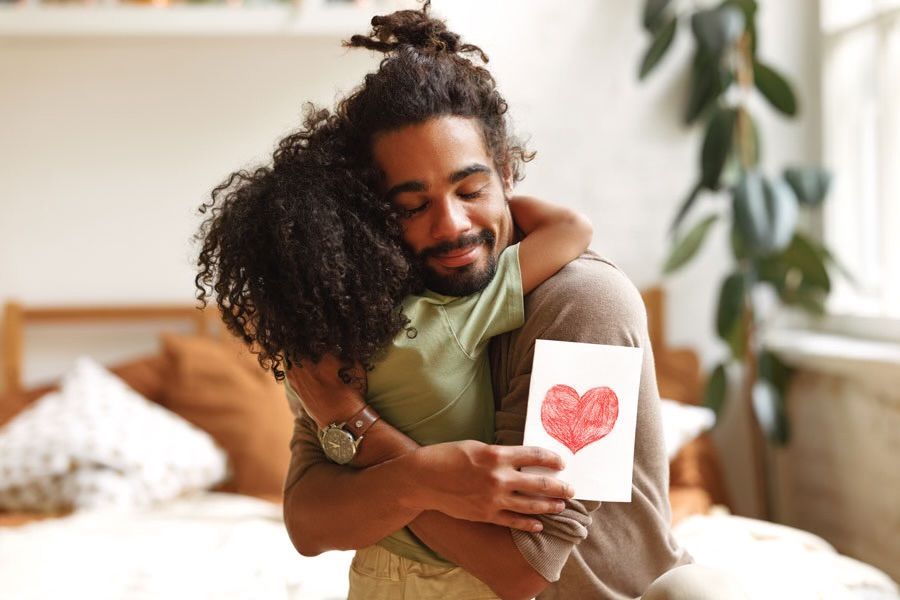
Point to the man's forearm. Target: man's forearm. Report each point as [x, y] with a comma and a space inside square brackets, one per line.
[485, 550]
[336, 508]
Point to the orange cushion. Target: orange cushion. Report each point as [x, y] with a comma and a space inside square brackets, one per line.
[219, 387]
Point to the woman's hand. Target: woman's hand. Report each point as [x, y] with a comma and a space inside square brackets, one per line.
[325, 398]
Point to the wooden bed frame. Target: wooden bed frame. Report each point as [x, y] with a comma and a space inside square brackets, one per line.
[678, 370]
[17, 317]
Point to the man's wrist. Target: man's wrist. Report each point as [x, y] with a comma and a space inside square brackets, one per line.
[338, 414]
[383, 443]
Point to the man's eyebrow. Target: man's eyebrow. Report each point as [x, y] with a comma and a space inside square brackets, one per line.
[470, 170]
[406, 186]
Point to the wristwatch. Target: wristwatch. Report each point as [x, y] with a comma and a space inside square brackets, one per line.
[341, 440]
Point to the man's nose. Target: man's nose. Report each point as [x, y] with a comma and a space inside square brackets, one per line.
[450, 220]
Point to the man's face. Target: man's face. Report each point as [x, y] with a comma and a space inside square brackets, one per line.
[441, 175]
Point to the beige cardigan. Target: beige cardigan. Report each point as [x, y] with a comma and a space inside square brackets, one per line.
[614, 550]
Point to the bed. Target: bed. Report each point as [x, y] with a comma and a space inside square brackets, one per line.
[228, 540]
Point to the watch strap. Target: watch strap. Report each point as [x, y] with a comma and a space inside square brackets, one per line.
[360, 423]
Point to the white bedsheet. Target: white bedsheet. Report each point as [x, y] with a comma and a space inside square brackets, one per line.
[209, 546]
[223, 546]
[775, 562]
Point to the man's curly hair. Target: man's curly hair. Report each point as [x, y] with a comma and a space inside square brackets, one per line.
[305, 257]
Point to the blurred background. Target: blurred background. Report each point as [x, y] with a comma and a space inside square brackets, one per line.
[117, 119]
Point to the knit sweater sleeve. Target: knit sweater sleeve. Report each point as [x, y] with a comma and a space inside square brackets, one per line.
[588, 301]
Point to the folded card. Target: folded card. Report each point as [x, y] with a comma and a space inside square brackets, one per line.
[582, 404]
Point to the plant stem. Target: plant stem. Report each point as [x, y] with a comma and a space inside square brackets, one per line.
[751, 373]
[744, 69]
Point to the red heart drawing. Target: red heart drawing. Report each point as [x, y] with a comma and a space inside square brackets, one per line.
[577, 421]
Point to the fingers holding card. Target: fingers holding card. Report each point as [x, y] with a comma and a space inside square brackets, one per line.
[582, 404]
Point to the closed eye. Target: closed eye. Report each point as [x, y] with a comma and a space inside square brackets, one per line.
[472, 195]
[409, 212]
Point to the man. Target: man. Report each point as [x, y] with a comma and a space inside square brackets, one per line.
[430, 128]
[625, 546]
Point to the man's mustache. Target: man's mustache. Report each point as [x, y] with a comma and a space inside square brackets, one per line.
[484, 237]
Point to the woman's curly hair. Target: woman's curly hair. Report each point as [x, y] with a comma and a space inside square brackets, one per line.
[304, 257]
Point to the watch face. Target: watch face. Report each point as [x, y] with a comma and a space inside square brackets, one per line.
[338, 445]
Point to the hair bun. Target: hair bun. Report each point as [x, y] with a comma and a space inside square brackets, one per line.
[413, 28]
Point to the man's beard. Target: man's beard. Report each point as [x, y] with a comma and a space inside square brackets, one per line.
[463, 281]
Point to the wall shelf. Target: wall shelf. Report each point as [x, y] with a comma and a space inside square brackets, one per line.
[306, 19]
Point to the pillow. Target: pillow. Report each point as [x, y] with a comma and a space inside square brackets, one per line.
[682, 423]
[144, 375]
[219, 386]
[97, 443]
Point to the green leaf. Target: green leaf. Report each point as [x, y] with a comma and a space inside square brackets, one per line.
[809, 183]
[804, 255]
[730, 313]
[716, 388]
[768, 406]
[654, 11]
[778, 375]
[798, 274]
[708, 81]
[685, 207]
[765, 212]
[687, 247]
[718, 28]
[775, 88]
[771, 368]
[716, 146]
[810, 299]
[661, 43]
[738, 245]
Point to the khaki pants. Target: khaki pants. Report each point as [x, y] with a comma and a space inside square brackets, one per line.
[376, 574]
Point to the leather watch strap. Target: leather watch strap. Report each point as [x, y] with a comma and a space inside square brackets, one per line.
[359, 423]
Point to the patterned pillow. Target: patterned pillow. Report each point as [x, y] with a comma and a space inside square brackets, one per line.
[98, 444]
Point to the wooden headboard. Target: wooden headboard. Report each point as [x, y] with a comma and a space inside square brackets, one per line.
[17, 317]
[677, 370]
[678, 373]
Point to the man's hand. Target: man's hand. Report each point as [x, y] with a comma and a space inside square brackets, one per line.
[326, 399]
[479, 482]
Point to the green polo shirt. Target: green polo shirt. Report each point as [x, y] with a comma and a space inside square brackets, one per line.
[434, 382]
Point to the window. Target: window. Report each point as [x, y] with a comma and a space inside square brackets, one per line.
[861, 137]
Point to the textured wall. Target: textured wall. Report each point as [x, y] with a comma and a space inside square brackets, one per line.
[840, 475]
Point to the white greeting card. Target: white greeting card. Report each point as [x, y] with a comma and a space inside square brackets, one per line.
[582, 404]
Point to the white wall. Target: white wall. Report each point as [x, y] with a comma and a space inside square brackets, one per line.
[107, 146]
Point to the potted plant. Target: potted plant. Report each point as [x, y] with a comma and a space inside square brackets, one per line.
[761, 210]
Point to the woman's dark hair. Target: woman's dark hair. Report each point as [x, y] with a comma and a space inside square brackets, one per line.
[305, 257]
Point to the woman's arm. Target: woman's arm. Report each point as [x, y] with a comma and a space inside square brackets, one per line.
[554, 236]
